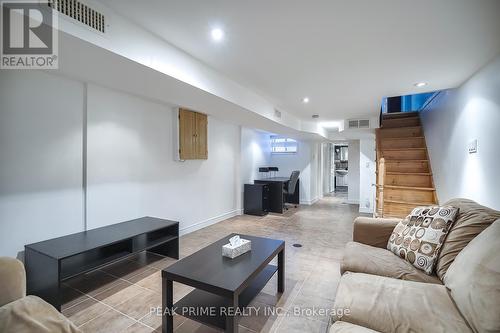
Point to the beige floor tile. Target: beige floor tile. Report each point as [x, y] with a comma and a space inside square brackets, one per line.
[258, 317]
[194, 327]
[71, 297]
[139, 306]
[109, 322]
[119, 293]
[292, 324]
[143, 274]
[85, 311]
[151, 282]
[133, 286]
[128, 270]
[138, 328]
[181, 290]
[154, 320]
[93, 283]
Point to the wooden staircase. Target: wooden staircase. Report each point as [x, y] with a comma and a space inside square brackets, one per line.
[404, 177]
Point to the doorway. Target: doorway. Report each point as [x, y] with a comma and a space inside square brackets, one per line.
[341, 167]
[336, 168]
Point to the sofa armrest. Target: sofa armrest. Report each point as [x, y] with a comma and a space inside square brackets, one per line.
[12, 280]
[373, 231]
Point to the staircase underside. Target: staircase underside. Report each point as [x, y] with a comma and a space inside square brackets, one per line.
[407, 178]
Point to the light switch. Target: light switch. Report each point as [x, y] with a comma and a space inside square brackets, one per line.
[473, 146]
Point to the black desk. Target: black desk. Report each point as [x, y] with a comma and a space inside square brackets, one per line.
[256, 199]
[50, 262]
[276, 185]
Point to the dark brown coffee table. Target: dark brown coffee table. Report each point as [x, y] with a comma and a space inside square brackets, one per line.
[222, 284]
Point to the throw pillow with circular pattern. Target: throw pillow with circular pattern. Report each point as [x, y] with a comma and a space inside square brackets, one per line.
[419, 237]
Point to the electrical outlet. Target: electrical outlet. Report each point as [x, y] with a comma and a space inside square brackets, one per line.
[473, 147]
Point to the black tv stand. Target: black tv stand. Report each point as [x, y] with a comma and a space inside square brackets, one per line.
[53, 261]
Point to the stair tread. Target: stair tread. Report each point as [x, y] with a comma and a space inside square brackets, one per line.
[403, 138]
[403, 149]
[410, 202]
[401, 117]
[387, 160]
[398, 128]
[408, 173]
[402, 187]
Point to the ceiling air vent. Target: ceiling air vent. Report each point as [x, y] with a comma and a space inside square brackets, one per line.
[364, 123]
[359, 123]
[80, 12]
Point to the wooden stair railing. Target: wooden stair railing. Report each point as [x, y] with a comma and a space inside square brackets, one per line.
[380, 186]
[380, 177]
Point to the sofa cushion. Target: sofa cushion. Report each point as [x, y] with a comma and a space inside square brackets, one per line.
[390, 305]
[32, 314]
[474, 280]
[472, 218]
[361, 258]
[344, 327]
[418, 237]
[13, 280]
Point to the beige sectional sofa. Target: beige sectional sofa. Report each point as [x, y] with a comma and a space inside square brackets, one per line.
[380, 292]
[26, 314]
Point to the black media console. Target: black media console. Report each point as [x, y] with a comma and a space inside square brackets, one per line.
[53, 261]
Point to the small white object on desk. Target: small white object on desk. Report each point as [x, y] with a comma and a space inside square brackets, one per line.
[236, 247]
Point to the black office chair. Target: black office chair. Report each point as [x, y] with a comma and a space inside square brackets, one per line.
[290, 189]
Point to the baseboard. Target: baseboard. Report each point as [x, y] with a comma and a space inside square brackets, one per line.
[353, 202]
[210, 221]
[309, 202]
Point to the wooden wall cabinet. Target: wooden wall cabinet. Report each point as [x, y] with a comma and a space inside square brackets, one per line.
[193, 140]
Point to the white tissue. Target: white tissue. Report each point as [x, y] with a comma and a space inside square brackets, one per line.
[236, 247]
[235, 241]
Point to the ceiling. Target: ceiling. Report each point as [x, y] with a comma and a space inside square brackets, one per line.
[344, 55]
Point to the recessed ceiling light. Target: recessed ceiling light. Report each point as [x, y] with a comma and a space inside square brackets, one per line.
[420, 84]
[217, 34]
[305, 100]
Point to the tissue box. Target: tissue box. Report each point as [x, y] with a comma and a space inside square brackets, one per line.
[232, 252]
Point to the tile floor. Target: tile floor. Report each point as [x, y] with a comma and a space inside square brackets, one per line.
[119, 297]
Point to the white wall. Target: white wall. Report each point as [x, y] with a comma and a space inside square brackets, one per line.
[366, 175]
[306, 161]
[325, 172]
[130, 166]
[353, 174]
[40, 158]
[316, 177]
[453, 120]
[131, 171]
[255, 153]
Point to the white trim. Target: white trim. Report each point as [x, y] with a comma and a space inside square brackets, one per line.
[309, 202]
[208, 222]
